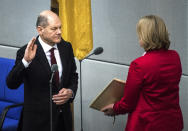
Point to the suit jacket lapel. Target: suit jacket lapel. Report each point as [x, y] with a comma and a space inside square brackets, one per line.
[41, 57]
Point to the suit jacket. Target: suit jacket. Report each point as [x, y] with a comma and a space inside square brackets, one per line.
[36, 112]
[151, 94]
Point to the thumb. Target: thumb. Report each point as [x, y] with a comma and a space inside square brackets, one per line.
[62, 90]
[104, 109]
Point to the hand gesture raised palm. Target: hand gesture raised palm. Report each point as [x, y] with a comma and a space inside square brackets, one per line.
[30, 50]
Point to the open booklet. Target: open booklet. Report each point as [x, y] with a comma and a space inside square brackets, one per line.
[112, 93]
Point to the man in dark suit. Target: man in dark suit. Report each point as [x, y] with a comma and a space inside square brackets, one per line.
[33, 68]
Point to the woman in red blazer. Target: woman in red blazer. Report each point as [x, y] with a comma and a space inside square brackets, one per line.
[151, 94]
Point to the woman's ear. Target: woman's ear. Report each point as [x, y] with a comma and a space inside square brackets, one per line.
[141, 43]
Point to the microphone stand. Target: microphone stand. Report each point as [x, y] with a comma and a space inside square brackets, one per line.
[81, 94]
[81, 117]
[97, 51]
[51, 86]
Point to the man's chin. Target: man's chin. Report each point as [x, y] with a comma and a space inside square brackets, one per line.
[57, 41]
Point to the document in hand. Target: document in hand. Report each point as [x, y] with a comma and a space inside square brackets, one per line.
[112, 93]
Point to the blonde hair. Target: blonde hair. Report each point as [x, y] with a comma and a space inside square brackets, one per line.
[153, 33]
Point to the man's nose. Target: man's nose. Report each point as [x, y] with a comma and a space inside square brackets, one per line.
[59, 31]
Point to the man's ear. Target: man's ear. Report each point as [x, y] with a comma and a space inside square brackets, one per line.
[40, 29]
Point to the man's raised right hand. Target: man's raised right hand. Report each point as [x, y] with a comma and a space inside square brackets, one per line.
[30, 50]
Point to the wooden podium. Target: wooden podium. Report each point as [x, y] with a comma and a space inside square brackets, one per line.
[112, 93]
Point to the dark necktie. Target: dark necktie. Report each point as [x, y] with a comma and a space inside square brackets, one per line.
[53, 61]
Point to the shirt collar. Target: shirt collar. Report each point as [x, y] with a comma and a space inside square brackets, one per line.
[144, 53]
[45, 46]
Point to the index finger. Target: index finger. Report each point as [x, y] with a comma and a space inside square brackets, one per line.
[32, 42]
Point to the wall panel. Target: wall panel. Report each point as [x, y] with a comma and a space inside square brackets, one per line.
[114, 27]
[8, 52]
[18, 18]
[184, 100]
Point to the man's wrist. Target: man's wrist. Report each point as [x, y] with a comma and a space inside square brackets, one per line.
[25, 63]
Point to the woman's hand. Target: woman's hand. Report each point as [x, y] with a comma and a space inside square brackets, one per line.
[108, 110]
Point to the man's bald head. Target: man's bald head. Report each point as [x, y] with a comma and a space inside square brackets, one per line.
[49, 27]
[44, 17]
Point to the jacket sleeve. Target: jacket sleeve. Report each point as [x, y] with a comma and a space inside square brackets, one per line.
[131, 91]
[73, 81]
[16, 75]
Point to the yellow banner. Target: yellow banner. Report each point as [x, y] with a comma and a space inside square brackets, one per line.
[77, 25]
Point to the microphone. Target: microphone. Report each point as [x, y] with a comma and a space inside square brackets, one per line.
[97, 51]
[54, 68]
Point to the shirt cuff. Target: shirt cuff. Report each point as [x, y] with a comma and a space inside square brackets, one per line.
[25, 63]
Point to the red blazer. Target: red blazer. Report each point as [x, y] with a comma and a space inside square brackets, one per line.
[151, 94]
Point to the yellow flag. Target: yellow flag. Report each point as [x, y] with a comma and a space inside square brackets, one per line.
[76, 21]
